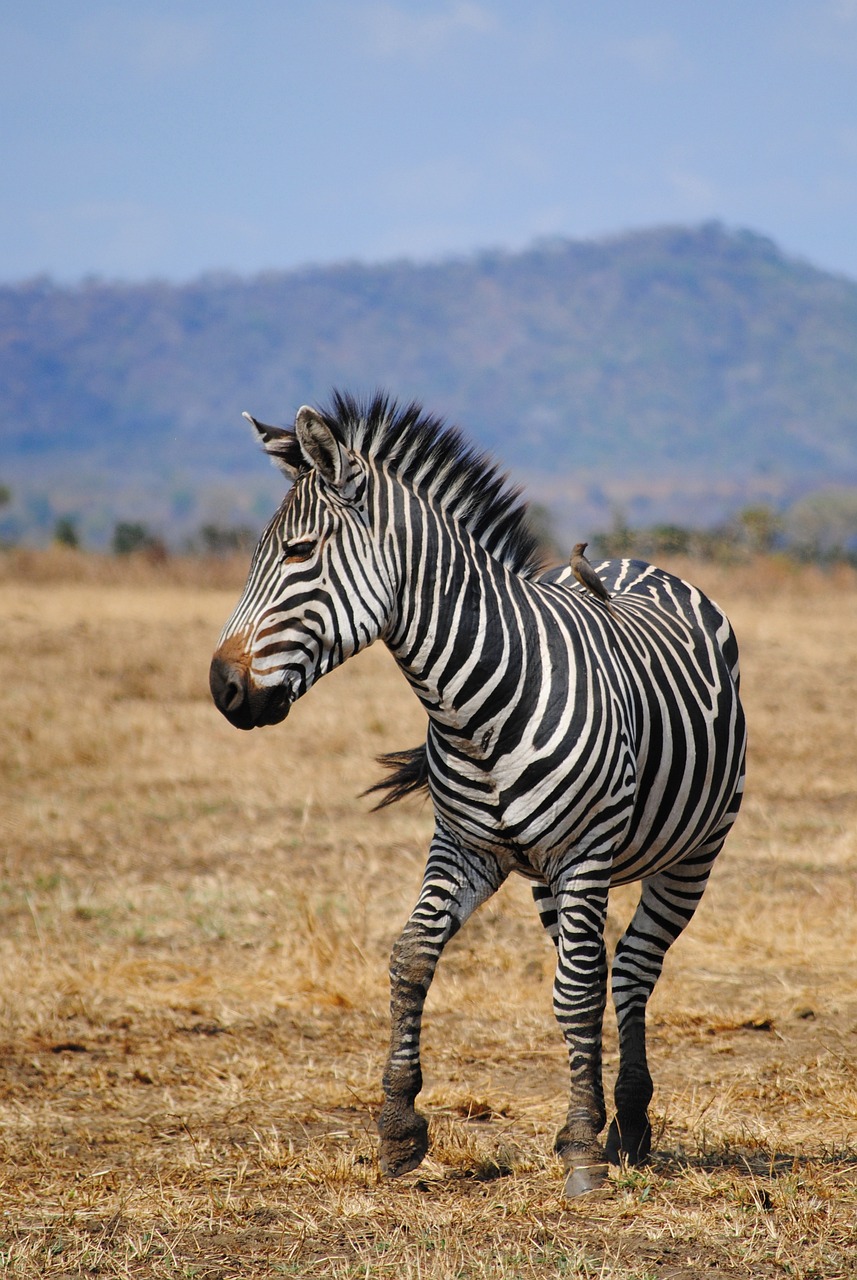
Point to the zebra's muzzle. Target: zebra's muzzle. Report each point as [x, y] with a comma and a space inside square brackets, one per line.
[245, 705]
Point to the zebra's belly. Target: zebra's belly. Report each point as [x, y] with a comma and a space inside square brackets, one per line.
[528, 832]
[524, 833]
[635, 859]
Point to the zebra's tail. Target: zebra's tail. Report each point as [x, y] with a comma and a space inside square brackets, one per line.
[408, 774]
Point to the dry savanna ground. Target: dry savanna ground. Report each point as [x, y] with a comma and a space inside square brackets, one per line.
[195, 929]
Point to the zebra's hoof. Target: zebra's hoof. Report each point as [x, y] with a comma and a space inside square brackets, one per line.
[404, 1151]
[629, 1145]
[584, 1178]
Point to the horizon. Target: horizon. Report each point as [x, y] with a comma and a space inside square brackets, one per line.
[111, 390]
[472, 256]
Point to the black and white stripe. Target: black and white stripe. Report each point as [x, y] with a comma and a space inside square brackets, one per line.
[576, 744]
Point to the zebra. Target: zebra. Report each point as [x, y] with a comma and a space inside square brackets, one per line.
[576, 746]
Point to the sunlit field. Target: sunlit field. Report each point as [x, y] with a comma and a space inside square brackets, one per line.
[195, 931]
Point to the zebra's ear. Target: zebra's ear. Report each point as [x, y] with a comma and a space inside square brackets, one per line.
[281, 446]
[324, 452]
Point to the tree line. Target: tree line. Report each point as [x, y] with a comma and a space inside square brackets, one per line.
[820, 527]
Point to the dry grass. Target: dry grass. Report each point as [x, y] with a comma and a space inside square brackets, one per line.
[195, 931]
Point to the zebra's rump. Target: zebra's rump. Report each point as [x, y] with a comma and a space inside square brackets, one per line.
[679, 655]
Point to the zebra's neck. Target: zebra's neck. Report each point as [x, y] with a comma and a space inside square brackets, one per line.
[457, 630]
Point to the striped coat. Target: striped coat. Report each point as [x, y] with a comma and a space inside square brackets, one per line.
[577, 743]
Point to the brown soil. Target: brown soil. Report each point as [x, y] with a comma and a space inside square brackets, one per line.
[193, 1004]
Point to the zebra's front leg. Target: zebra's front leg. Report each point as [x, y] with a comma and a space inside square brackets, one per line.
[454, 885]
[580, 995]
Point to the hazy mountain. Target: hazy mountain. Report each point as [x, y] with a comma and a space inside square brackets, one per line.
[677, 372]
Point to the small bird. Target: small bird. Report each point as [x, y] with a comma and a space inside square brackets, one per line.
[586, 575]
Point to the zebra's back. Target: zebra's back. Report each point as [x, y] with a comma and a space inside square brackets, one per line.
[634, 580]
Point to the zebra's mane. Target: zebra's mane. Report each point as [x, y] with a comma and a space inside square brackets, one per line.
[436, 461]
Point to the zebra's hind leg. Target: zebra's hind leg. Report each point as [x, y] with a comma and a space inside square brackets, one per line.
[580, 995]
[667, 903]
[454, 885]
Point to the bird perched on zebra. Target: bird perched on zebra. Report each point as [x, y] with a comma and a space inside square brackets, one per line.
[559, 746]
[586, 575]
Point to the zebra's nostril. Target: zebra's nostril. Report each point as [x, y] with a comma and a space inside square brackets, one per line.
[227, 686]
[233, 694]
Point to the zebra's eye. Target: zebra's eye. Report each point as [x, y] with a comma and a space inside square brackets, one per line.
[294, 552]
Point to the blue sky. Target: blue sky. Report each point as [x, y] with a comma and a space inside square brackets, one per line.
[166, 138]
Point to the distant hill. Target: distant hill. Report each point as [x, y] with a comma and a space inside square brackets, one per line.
[677, 373]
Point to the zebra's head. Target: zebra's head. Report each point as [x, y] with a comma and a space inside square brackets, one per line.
[316, 591]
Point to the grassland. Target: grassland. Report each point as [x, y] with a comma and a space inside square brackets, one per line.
[195, 925]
